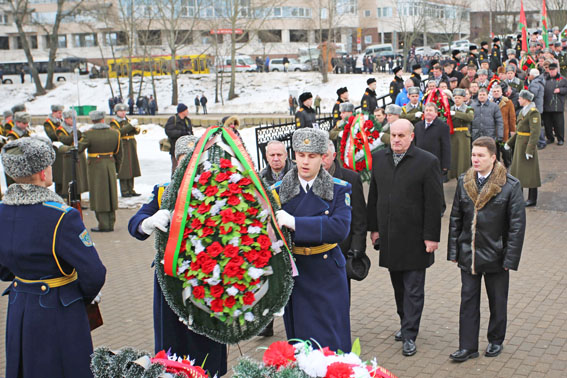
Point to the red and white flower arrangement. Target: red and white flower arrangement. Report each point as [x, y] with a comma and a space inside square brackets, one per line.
[360, 138]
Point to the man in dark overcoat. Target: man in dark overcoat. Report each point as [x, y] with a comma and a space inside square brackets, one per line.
[175, 127]
[404, 215]
[305, 115]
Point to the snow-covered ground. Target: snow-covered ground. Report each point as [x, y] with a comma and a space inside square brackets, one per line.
[257, 93]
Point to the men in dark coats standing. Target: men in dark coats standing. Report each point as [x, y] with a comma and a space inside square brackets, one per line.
[305, 115]
[554, 105]
[487, 119]
[433, 135]
[316, 207]
[55, 269]
[169, 332]
[130, 167]
[404, 214]
[486, 234]
[368, 102]
[342, 94]
[175, 127]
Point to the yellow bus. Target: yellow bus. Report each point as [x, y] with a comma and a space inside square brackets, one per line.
[160, 65]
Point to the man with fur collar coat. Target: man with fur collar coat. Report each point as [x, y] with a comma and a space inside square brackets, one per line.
[316, 208]
[486, 234]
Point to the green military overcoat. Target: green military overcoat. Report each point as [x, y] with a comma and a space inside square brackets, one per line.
[130, 165]
[525, 142]
[410, 115]
[66, 137]
[50, 126]
[461, 141]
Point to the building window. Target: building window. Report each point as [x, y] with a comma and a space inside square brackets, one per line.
[207, 38]
[85, 40]
[277, 12]
[242, 38]
[346, 6]
[3, 18]
[298, 35]
[61, 41]
[367, 39]
[187, 8]
[324, 13]
[379, 12]
[116, 39]
[267, 36]
[184, 37]
[32, 42]
[149, 37]
[4, 43]
[367, 13]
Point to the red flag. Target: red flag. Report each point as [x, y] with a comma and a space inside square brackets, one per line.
[522, 26]
[544, 24]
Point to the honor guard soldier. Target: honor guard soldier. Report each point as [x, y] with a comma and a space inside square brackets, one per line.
[65, 135]
[105, 156]
[397, 84]
[20, 130]
[342, 94]
[169, 332]
[305, 115]
[462, 116]
[55, 269]
[8, 122]
[393, 113]
[525, 163]
[483, 54]
[316, 208]
[369, 101]
[50, 126]
[495, 55]
[415, 76]
[518, 47]
[345, 110]
[130, 165]
[413, 110]
[472, 59]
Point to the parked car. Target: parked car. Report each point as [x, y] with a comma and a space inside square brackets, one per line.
[427, 51]
[244, 63]
[294, 65]
[462, 45]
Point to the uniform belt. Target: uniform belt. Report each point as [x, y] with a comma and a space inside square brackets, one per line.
[101, 154]
[523, 134]
[313, 250]
[461, 129]
[128, 137]
[51, 282]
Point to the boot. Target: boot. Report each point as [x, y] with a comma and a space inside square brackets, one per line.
[532, 197]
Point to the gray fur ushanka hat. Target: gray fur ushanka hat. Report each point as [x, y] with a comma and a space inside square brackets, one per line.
[310, 141]
[25, 156]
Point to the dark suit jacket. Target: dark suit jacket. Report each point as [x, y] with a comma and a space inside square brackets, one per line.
[356, 239]
[436, 139]
[404, 206]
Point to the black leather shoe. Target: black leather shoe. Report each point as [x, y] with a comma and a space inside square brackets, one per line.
[560, 143]
[409, 348]
[462, 355]
[96, 229]
[541, 146]
[493, 350]
[134, 194]
[126, 195]
[550, 141]
[398, 336]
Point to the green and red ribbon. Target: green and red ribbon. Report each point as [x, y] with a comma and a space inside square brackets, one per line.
[351, 153]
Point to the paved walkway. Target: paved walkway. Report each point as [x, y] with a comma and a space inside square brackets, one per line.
[536, 342]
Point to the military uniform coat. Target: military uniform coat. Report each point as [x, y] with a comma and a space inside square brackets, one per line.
[305, 117]
[461, 140]
[13, 134]
[408, 112]
[319, 304]
[50, 126]
[527, 171]
[369, 103]
[130, 165]
[169, 332]
[7, 127]
[47, 331]
[404, 206]
[337, 112]
[105, 156]
[66, 137]
[395, 87]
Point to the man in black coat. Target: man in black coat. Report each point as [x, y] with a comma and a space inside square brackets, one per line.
[404, 213]
[305, 115]
[486, 234]
[175, 127]
[433, 135]
[368, 102]
[396, 85]
[553, 105]
[342, 96]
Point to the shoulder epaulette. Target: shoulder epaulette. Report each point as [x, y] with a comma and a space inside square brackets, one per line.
[534, 108]
[338, 102]
[59, 206]
[300, 110]
[339, 181]
[276, 185]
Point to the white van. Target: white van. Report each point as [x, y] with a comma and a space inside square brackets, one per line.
[381, 50]
[244, 63]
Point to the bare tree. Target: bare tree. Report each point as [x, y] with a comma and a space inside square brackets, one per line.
[454, 20]
[411, 18]
[21, 12]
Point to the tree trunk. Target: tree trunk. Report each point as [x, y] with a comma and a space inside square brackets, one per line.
[53, 45]
[232, 88]
[174, 87]
[39, 90]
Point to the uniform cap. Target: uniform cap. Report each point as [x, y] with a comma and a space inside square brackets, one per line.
[553, 65]
[310, 140]
[510, 51]
[513, 61]
[557, 44]
[416, 67]
[342, 90]
[26, 156]
[483, 43]
[495, 39]
[8, 113]
[18, 108]
[453, 79]
[22, 117]
[393, 109]
[185, 145]
[370, 81]
[397, 69]
[459, 92]
[504, 86]
[525, 94]
[472, 47]
[119, 107]
[305, 96]
[68, 114]
[510, 68]
[346, 107]
[97, 115]
[57, 108]
[413, 90]
[482, 71]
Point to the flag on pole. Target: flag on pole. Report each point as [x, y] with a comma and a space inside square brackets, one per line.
[523, 27]
[544, 24]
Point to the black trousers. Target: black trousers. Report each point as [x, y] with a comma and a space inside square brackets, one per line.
[410, 296]
[554, 122]
[469, 318]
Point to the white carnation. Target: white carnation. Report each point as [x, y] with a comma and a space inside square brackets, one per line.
[277, 246]
[255, 272]
[194, 282]
[263, 215]
[254, 230]
[196, 193]
[235, 241]
[348, 358]
[236, 313]
[249, 316]
[198, 246]
[232, 291]
[235, 178]
[207, 165]
[216, 271]
[213, 281]
[184, 266]
[313, 364]
[360, 372]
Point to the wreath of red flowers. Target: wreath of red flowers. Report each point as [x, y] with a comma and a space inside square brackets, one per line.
[369, 131]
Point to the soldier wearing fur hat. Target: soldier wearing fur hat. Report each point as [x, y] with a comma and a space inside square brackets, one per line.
[462, 116]
[8, 122]
[50, 126]
[393, 113]
[345, 110]
[396, 85]
[55, 269]
[368, 102]
[65, 135]
[495, 55]
[342, 94]
[483, 54]
[525, 163]
[130, 165]
[305, 115]
[413, 110]
[316, 208]
[105, 157]
[20, 130]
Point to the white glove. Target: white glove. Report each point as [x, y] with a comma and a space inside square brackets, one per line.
[134, 122]
[418, 114]
[452, 112]
[57, 144]
[506, 147]
[528, 156]
[97, 298]
[285, 219]
[159, 220]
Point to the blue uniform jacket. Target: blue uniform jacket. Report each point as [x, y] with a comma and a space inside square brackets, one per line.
[47, 329]
[169, 332]
[319, 304]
